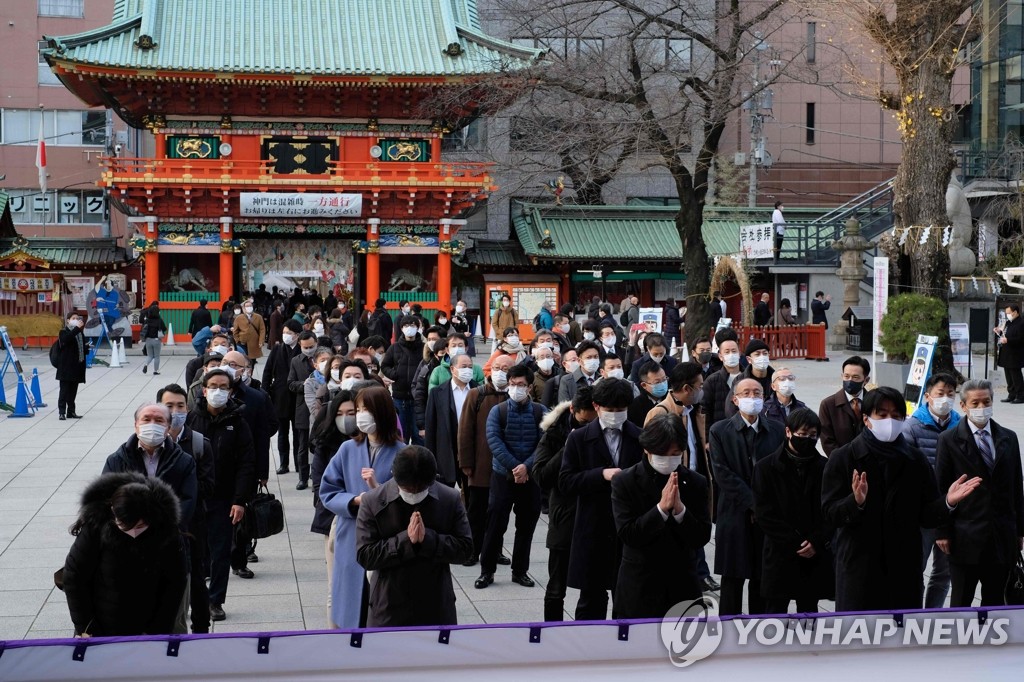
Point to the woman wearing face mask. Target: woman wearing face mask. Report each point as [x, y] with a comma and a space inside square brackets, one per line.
[344, 373]
[335, 425]
[504, 316]
[459, 320]
[879, 491]
[322, 361]
[661, 515]
[362, 463]
[510, 345]
[125, 573]
[797, 560]
[442, 320]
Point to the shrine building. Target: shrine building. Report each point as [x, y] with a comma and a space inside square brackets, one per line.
[290, 140]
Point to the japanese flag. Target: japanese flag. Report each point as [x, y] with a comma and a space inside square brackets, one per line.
[41, 160]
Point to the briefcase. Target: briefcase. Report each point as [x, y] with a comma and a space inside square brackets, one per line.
[264, 515]
[1014, 593]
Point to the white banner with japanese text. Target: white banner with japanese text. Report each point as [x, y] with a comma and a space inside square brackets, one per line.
[300, 205]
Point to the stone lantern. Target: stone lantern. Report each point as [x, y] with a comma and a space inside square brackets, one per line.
[851, 247]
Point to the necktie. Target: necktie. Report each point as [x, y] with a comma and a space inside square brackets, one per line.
[986, 449]
[590, 381]
[612, 437]
[855, 404]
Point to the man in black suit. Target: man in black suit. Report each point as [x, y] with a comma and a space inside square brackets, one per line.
[661, 515]
[441, 419]
[841, 413]
[593, 455]
[275, 383]
[762, 313]
[300, 368]
[986, 532]
[1011, 354]
[737, 444]
[819, 305]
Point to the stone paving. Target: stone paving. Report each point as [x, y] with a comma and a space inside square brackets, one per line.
[45, 463]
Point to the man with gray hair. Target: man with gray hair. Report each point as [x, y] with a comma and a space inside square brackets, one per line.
[985, 534]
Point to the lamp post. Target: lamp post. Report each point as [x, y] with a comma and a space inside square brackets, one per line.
[760, 107]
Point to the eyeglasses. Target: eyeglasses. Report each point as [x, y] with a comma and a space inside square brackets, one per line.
[233, 365]
[785, 377]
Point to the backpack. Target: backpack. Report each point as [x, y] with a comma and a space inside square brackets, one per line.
[55, 354]
[537, 323]
[374, 325]
[624, 317]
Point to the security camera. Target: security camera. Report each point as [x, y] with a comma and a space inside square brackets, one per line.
[117, 149]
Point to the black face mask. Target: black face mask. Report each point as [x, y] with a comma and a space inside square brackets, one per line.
[803, 446]
[853, 387]
[705, 357]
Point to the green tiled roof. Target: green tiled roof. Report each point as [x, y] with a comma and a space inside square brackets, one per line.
[499, 254]
[68, 252]
[316, 37]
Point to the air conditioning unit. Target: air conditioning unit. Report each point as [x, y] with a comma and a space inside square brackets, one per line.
[739, 159]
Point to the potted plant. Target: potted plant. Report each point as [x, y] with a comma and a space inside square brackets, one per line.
[907, 316]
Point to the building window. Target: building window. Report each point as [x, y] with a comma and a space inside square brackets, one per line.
[812, 41]
[561, 47]
[467, 139]
[809, 125]
[68, 128]
[62, 8]
[84, 207]
[672, 54]
[45, 76]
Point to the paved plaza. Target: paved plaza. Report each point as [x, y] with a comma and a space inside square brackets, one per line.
[45, 463]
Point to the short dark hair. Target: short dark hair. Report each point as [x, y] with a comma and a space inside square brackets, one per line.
[803, 417]
[414, 467]
[818, 293]
[726, 334]
[402, 303]
[648, 368]
[375, 341]
[613, 393]
[1014, 308]
[380, 303]
[778, 203]
[220, 335]
[350, 362]
[217, 373]
[662, 432]
[589, 345]
[517, 371]
[306, 335]
[73, 312]
[434, 329]
[584, 399]
[874, 399]
[860, 362]
[293, 325]
[591, 325]
[654, 339]
[684, 374]
[607, 357]
[170, 388]
[509, 330]
[940, 378]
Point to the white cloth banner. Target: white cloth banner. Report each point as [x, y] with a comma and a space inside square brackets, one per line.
[756, 241]
[939, 645]
[301, 205]
[881, 302]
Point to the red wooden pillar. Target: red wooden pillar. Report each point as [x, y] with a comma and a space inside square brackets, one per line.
[372, 261]
[152, 263]
[444, 265]
[227, 260]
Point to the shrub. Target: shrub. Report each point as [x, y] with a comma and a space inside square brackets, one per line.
[909, 315]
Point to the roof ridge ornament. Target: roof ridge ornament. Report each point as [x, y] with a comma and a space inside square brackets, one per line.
[145, 42]
[453, 49]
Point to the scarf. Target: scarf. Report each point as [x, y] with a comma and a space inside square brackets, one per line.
[890, 451]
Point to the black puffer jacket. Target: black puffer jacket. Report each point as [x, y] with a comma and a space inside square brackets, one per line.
[421, 384]
[233, 453]
[175, 467]
[119, 585]
[556, 426]
[400, 363]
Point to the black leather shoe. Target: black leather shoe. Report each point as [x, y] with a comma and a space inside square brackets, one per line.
[709, 585]
[472, 560]
[302, 485]
[484, 580]
[1019, 401]
[252, 558]
[524, 580]
[72, 415]
[503, 560]
[62, 418]
[1008, 399]
[244, 573]
[282, 470]
[216, 612]
[145, 368]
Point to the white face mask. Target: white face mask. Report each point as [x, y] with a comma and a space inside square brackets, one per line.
[152, 435]
[322, 367]
[409, 332]
[460, 308]
[74, 324]
[238, 311]
[442, 320]
[942, 406]
[336, 374]
[499, 378]
[134, 532]
[665, 464]
[219, 350]
[886, 430]
[751, 406]
[612, 420]
[518, 393]
[565, 328]
[572, 366]
[465, 374]
[590, 365]
[512, 340]
[456, 351]
[730, 359]
[413, 498]
[588, 336]
[318, 328]
[615, 374]
[378, 357]
[787, 387]
[761, 362]
[248, 309]
[217, 397]
[366, 423]
[505, 304]
[546, 344]
[545, 364]
[347, 383]
[288, 339]
[608, 341]
[230, 370]
[346, 424]
[178, 420]
[657, 358]
[979, 416]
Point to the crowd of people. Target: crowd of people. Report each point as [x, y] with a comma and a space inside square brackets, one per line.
[418, 451]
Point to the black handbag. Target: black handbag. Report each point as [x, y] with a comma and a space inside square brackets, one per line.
[264, 515]
[1013, 594]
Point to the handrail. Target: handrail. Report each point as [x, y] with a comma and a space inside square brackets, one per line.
[867, 198]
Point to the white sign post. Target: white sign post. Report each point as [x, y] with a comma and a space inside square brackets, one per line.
[300, 205]
[881, 304]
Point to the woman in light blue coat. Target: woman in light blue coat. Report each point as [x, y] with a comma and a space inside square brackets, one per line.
[362, 463]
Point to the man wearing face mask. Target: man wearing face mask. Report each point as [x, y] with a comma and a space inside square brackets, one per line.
[220, 343]
[259, 412]
[300, 369]
[570, 363]
[593, 456]
[475, 451]
[759, 369]
[198, 447]
[661, 516]
[841, 414]
[719, 384]
[219, 418]
[513, 431]
[702, 355]
[797, 563]
[409, 531]
[985, 535]
[782, 400]
[653, 389]
[250, 331]
[460, 325]
[575, 332]
[737, 445]
[71, 366]
[589, 357]
[275, 383]
[399, 365]
[1011, 354]
[442, 374]
[657, 351]
[879, 491]
[443, 413]
[434, 351]
[544, 370]
[560, 333]
[922, 430]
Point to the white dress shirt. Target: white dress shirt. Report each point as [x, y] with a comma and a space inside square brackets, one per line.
[460, 399]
